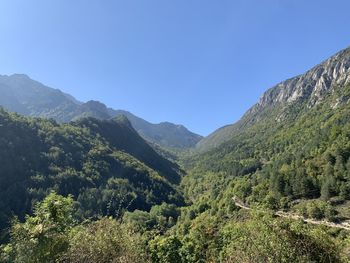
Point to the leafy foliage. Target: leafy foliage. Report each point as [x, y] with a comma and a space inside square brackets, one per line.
[42, 237]
[51, 236]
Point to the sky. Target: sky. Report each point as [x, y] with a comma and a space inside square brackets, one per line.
[200, 63]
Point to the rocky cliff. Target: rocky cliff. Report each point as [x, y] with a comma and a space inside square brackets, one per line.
[306, 91]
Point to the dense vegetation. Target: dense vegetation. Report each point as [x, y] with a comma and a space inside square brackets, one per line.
[305, 156]
[105, 165]
[53, 235]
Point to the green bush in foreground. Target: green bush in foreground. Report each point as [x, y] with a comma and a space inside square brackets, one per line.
[42, 237]
[50, 235]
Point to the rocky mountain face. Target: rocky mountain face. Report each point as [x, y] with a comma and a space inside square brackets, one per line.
[311, 87]
[296, 94]
[23, 95]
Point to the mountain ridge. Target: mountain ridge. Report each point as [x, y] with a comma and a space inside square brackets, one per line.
[23, 95]
[165, 133]
[312, 86]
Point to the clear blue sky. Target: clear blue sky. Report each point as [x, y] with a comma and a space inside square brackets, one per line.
[200, 63]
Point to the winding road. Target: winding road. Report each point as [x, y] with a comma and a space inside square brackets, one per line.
[289, 215]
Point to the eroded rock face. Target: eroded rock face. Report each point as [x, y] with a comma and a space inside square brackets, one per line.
[312, 86]
[307, 90]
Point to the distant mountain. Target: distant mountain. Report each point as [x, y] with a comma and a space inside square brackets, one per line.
[23, 95]
[297, 94]
[94, 109]
[165, 133]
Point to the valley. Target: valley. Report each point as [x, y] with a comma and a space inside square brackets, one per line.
[81, 182]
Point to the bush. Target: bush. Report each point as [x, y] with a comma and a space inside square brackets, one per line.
[42, 237]
[166, 250]
[105, 240]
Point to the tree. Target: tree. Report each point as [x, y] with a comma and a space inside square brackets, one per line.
[105, 240]
[166, 250]
[43, 236]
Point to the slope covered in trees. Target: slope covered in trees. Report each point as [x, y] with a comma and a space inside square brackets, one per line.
[294, 144]
[300, 165]
[105, 165]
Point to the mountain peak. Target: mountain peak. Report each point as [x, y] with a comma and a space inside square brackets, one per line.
[122, 119]
[15, 76]
[95, 103]
[18, 75]
[310, 87]
[308, 90]
[21, 94]
[94, 109]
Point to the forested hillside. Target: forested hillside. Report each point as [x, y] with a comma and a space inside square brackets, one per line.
[290, 153]
[294, 144]
[105, 165]
[275, 164]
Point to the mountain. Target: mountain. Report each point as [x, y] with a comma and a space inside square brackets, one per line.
[104, 164]
[290, 151]
[93, 109]
[306, 90]
[165, 133]
[23, 95]
[120, 134]
[288, 157]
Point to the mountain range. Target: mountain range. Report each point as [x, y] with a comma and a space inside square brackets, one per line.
[272, 187]
[23, 95]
